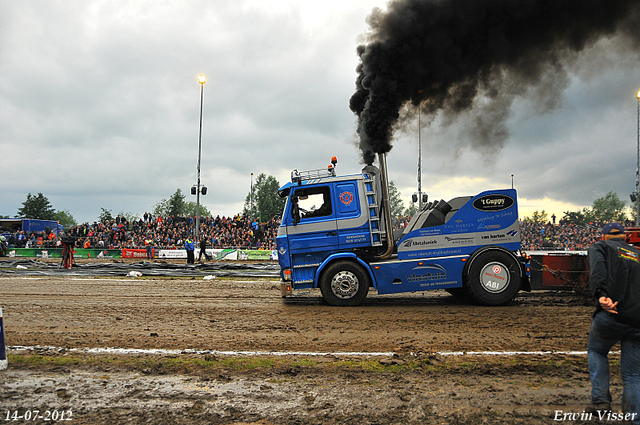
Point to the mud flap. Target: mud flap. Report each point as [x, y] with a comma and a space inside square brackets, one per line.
[286, 288]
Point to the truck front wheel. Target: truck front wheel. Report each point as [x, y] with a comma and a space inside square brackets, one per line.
[493, 278]
[344, 283]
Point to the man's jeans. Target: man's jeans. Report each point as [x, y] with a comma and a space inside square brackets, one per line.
[604, 333]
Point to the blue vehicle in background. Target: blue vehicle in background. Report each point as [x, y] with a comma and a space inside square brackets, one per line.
[336, 235]
[29, 225]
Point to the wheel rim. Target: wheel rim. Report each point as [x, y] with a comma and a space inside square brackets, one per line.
[344, 284]
[494, 277]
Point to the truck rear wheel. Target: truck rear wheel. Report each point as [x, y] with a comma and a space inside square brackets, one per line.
[344, 283]
[493, 278]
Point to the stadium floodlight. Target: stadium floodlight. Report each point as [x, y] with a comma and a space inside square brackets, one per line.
[201, 79]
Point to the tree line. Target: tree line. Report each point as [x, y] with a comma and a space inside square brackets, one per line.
[604, 210]
[262, 202]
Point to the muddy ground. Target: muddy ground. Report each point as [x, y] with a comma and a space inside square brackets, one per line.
[342, 376]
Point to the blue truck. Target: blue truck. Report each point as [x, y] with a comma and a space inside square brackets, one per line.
[336, 235]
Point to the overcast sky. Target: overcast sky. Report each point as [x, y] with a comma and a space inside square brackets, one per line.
[100, 103]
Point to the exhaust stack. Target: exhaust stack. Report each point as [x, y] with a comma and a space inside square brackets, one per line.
[386, 209]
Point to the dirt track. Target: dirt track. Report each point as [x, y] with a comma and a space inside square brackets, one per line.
[416, 385]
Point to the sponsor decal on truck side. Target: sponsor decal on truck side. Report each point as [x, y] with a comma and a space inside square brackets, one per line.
[493, 203]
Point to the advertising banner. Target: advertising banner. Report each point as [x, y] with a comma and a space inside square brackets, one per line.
[96, 253]
[172, 253]
[36, 252]
[223, 254]
[215, 254]
[135, 253]
[57, 253]
[258, 255]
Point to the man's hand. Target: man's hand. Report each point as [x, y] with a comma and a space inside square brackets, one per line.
[608, 304]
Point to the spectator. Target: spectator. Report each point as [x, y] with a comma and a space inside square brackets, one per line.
[203, 248]
[614, 282]
[189, 246]
[149, 245]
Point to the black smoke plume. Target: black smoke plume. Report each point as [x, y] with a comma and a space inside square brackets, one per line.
[445, 55]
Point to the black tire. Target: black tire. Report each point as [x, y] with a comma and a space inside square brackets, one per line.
[344, 283]
[493, 278]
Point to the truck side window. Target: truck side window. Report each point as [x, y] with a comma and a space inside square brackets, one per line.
[314, 202]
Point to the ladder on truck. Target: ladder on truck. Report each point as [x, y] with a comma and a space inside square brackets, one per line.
[374, 212]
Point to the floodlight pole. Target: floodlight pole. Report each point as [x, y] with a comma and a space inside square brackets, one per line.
[638, 163]
[419, 157]
[251, 197]
[201, 79]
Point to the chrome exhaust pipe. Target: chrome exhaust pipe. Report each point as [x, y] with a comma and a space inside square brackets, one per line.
[386, 208]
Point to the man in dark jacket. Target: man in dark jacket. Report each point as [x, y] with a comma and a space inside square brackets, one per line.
[615, 283]
[203, 249]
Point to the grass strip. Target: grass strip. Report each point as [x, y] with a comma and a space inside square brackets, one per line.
[428, 364]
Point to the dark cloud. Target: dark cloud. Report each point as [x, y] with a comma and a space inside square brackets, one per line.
[452, 56]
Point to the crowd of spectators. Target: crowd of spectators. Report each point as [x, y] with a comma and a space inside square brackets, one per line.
[21, 239]
[238, 232]
[564, 236]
